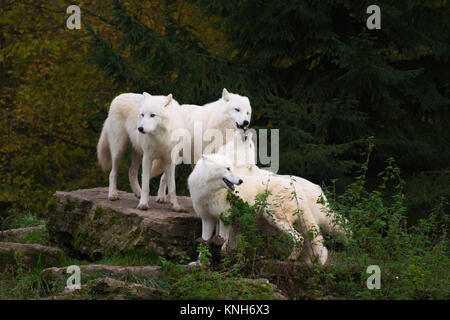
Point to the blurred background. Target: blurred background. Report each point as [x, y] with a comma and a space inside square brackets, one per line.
[310, 68]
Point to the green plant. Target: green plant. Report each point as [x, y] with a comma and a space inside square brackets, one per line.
[17, 219]
[40, 236]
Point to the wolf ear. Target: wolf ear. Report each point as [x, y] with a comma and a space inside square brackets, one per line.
[169, 100]
[225, 95]
[205, 157]
[146, 95]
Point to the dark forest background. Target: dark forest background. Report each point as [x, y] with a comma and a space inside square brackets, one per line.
[310, 68]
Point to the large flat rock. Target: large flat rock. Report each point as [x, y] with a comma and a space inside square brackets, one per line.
[87, 224]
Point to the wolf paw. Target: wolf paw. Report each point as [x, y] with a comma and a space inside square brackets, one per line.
[113, 196]
[195, 263]
[294, 256]
[162, 199]
[179, 208]
[142, 206]
[323, 257]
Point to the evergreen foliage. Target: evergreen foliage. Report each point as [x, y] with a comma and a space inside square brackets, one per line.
[311, 69]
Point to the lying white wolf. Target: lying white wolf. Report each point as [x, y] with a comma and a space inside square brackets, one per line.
[145, 122]
[119, 131]
[213, 176]
[241, 152]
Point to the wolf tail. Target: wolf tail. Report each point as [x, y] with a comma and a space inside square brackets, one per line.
[103, 150]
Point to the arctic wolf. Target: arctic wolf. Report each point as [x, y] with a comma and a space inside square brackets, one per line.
[145, 122]
[213, 176]
[232, 112]
[120, 131]
[241, 152]
[158, 118]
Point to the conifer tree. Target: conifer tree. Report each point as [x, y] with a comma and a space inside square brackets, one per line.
[311, 69]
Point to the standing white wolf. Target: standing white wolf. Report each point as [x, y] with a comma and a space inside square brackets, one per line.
[287, 203]
[145, 122]
[213, 121]
[120, 130]
[159, 117]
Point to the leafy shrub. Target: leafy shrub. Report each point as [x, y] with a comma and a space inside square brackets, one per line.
[414, 260]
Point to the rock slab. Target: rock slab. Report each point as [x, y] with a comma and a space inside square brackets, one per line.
[13, 255]
[16, 235]
[61, 273]
[112, 289]
[86, 224]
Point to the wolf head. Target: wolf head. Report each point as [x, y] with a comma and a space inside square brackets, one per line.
[237, 110]
[153, 112]
[217, 172]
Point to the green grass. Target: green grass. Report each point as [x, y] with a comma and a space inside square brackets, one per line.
[18, 220]
[40, 236]
[28, 283]
[205, 284]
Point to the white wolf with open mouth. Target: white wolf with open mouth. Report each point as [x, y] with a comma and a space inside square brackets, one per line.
[241, 152]
[213, 176]
[231, 112]
[120, 130]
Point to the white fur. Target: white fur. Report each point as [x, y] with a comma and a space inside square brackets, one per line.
[158, 117]
[219, 115]
[120, 131]
[208, 194]
[241, 152]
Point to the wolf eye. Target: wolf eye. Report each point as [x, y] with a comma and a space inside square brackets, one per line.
[237, 109]
[152, 115]
[229, 169]
[142, 115]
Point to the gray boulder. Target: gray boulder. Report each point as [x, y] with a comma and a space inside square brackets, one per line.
[88, 225]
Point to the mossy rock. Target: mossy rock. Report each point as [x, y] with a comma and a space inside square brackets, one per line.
[18, 255]
[112, 289]
[89, 226]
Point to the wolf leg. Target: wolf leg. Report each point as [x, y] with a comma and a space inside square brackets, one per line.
[162, 197]
[145, 193]
[286, 227]
[118, 145]
[224, 232]
[136, 159]
[157, 169]
[170, 174]
[208, 226]
[310, 226]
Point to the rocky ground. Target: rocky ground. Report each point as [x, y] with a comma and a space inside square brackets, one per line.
[84, 225]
